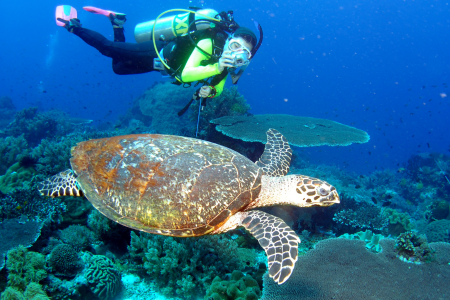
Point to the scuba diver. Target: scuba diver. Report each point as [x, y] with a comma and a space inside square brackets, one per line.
[200, 46]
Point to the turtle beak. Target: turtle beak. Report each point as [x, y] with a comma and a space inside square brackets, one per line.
[331, 199]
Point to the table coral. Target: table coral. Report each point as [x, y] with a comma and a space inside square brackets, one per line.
[299, 131]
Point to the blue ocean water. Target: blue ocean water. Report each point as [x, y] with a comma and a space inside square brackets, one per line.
[379, 66]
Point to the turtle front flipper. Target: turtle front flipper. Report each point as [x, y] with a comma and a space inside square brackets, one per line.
[276, 159]
[278, 240]
[61, 184]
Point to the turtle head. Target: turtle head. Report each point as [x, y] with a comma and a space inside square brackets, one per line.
[314, 192]
[297, 190]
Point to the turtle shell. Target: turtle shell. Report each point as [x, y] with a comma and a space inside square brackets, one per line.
[165, 184]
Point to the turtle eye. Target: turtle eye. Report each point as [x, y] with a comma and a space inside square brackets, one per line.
[324, 190]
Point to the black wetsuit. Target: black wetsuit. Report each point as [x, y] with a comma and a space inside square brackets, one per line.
[128, 58]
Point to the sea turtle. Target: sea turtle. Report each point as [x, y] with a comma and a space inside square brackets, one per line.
[185, 187]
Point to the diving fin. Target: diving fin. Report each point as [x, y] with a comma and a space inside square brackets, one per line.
[65, 12]
[100, 11]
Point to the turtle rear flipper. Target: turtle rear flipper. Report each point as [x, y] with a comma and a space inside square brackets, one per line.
[61, 184]
[278, 240]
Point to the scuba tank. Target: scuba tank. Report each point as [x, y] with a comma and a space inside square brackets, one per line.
[168, 28]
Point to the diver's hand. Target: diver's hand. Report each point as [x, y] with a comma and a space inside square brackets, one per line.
[225, 61]
[204, 91]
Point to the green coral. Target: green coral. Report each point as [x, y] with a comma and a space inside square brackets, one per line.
[17, 176]
[186, 267]
[372, 240]
[103, 277]
[32, 292]
[239, 287]
[398, 222]
[24, 267]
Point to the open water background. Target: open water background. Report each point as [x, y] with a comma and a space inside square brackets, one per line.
[381, 66]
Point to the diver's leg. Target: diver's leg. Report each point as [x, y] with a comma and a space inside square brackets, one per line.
[119, 36]
[117, 20]
[128, 58]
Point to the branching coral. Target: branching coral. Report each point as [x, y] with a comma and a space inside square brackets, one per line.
[24, 267]
[185, 267]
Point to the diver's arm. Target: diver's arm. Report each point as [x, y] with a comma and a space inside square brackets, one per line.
[194, 71]
[219, 86]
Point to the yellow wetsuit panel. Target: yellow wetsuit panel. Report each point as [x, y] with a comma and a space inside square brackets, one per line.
[194, 71]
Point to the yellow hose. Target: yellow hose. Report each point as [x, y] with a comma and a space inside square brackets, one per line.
[168, 11]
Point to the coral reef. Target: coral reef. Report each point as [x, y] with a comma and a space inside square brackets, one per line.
[344, 269]
[185, 267]
[413, 248]
[28, 202]
[64, 261]
[98, 223]
[17, 176]
[229, 103]
[161, 103]
[372, 240]
[362, 216]
[7, 111]
[17, 234]
[32, 292]
[437, 210]
[437, 231]
[77, 236]
[239, 286]
[103, 277]
[33, 125]
[11, 149]
[24, 267]
[398, 222]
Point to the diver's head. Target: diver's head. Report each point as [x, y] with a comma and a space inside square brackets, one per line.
[246, 36]
[241, 44]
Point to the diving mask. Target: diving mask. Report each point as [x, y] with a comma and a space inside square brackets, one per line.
[240, 54]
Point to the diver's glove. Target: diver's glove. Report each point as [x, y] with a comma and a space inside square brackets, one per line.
[70, 25]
